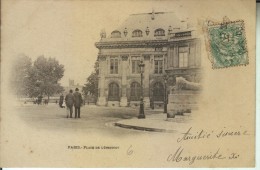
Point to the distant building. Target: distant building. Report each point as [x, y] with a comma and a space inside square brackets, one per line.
[162, 42]
[72, 86]
[71, 83]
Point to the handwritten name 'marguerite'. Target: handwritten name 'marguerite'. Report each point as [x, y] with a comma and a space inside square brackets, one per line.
[179, 157]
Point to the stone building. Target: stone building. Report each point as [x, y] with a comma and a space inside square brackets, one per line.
[162, 42]
[72, 86]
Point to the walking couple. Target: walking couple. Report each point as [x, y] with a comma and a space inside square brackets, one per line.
[74, 99]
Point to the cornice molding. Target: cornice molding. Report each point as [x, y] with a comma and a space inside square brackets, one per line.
[132, 44]
[142, 43]
[180, 71]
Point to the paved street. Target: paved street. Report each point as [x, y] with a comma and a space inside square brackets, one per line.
[93, 119]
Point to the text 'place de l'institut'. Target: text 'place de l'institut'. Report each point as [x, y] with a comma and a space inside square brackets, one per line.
[165, 44]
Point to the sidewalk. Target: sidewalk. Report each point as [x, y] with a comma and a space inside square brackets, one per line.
[156, 123]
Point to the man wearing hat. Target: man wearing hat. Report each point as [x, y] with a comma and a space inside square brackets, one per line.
[77, 102]
[69, 102]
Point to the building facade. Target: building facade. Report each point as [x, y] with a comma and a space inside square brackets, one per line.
[164, 43]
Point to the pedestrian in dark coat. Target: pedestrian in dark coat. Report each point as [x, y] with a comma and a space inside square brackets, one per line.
[40, 99]
[69, 99]
[77, 102]
[61, 100]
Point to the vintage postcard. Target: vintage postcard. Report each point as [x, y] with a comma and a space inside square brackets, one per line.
[167, 83]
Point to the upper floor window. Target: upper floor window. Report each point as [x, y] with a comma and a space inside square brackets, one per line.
[116, 34]
[158, 64]
[135, 65]
[159, 32]
[113, 65]
[137, 33]
[183, 56]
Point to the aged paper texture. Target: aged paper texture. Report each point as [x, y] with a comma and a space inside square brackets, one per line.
[153, 83]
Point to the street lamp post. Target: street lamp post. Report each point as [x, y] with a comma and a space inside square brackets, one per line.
[165, 77]
[141, 111]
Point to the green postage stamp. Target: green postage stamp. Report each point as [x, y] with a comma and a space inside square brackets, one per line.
[227, 43]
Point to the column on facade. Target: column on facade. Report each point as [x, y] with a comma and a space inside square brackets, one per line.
[176, 56]
[198, 61]
[101, 81]
[124, 66]
[146, 80]
[192, 55]
[198, 54]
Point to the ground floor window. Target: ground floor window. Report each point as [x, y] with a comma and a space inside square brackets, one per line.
[113, 93]
[135, 93]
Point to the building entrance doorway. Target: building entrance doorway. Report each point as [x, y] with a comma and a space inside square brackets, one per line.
[158, 92]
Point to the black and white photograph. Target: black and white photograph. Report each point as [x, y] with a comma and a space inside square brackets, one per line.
[141, 84]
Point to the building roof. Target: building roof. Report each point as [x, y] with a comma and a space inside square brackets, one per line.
[142, 22]
[152, 20]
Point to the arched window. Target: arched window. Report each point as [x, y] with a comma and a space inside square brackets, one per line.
[135, 91]
[158, 91]
[113, 93]
[116, 34]
[137, 33]
[159, 32]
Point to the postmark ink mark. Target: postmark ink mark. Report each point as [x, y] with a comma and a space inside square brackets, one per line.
[130, 150]
[227, 43]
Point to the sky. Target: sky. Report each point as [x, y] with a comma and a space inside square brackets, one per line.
[67, 30]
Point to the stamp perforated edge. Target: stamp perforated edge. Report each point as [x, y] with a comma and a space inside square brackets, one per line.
[208, 47]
